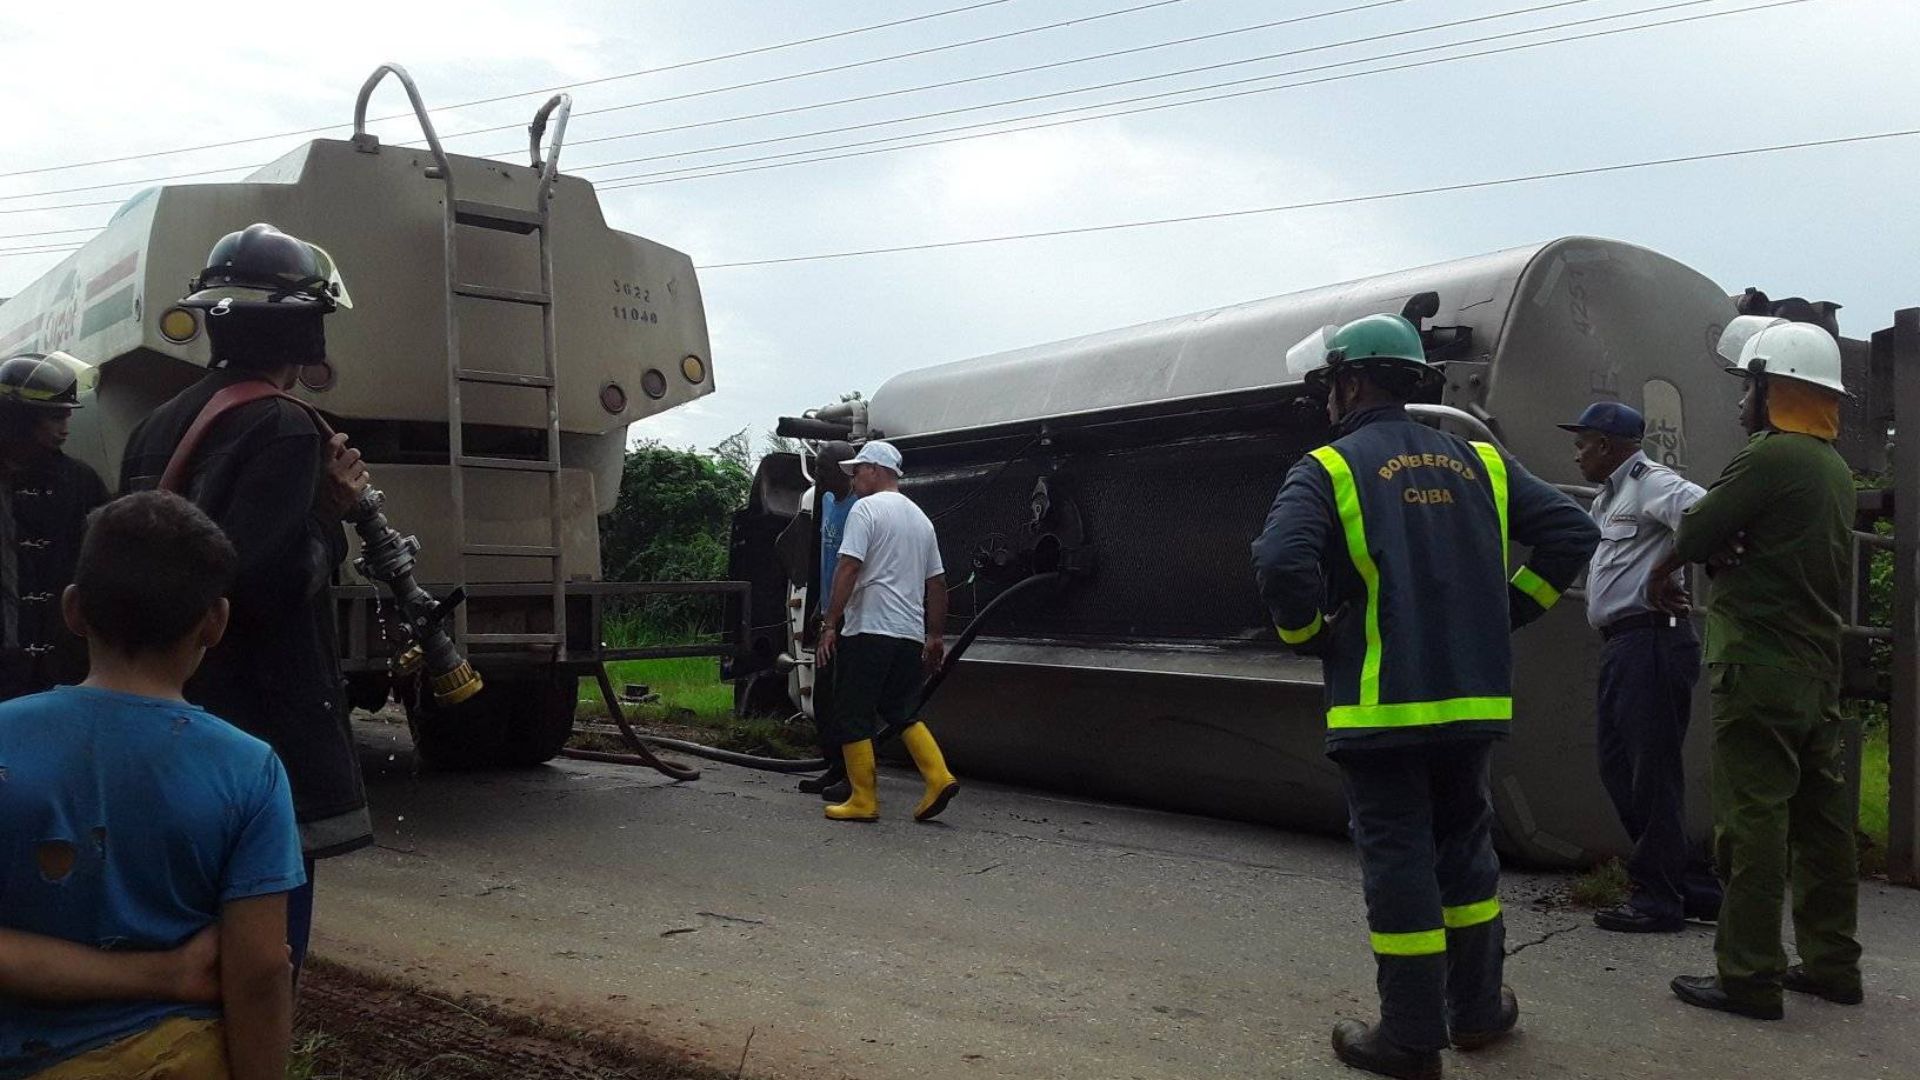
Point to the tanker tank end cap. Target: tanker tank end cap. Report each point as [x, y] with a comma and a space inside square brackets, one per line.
[875, 453]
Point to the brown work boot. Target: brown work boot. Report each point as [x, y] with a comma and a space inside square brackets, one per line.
[1365, 1047]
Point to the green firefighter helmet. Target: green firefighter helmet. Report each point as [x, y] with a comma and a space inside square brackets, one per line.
[44, 380]
[1384, 340]
[263, 269]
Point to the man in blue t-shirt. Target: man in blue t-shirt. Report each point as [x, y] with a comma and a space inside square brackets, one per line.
[834, 498]
[131, 820]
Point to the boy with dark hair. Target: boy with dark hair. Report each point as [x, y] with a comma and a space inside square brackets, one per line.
[131, 820]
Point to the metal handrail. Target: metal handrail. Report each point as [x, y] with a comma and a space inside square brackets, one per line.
[444, 167]
[551, 166]
[1459, 416]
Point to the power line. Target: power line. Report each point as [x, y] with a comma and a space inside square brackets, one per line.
[51, 232]
[527, 93]
[1317, 204]
[801, 158]
[1324, 203]
[1535, 9]
[772, 80]
[666, 176]
[1007, 73]
[851, 65]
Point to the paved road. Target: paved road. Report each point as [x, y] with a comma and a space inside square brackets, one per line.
[1021, 936]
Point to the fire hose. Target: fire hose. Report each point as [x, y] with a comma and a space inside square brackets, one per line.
[420, 638]
[785, 765]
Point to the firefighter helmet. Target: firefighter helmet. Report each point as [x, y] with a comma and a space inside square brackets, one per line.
[43, 380]
[261, 268]
[1778, 348]
[1383, 340]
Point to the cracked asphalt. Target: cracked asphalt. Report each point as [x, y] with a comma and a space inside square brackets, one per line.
[1022, 935]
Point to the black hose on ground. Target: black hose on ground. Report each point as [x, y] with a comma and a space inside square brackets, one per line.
[785, 765]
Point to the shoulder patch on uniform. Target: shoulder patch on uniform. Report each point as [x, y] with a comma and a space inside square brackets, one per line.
[1639, 470]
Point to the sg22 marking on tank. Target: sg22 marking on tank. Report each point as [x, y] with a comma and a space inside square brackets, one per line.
[629, 312]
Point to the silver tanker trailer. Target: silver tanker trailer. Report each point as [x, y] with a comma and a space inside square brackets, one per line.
[1139, 464]
[503, 337]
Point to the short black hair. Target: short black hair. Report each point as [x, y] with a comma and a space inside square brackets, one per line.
[151, 566]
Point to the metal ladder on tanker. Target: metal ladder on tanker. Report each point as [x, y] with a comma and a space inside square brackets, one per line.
[509, 219]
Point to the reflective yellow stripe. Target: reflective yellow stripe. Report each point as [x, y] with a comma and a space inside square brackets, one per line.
[1346, 500]
[1459, 918]
[1416, 713]
[1305, 633]
[1418, 943]
[1535, 586]
[1497, 474]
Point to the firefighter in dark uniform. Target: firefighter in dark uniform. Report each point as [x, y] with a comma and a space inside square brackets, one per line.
[278, 488]
[49, 496]
[1385, 554]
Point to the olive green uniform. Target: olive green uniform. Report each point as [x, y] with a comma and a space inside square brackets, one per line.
[1780, 797]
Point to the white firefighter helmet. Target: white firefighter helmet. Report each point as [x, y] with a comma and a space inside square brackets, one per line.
[1759, 345]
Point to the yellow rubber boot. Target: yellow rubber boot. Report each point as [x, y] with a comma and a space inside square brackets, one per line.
[941, 786]
[863, 806]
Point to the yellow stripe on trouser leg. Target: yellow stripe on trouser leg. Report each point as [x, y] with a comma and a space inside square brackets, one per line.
[1417, 943]
[1459, 918]
[1302, 635]
[178, 1046]
[1536, 587]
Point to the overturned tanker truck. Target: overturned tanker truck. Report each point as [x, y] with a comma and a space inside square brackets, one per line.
[502, 339]
[1135, 466]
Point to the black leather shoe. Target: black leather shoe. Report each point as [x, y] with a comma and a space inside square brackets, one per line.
[1797, 980]
[837, 792]
[1704, 992]
[1364, 1047]
[1509, 1019]
[1703, 914]
[1627, 920]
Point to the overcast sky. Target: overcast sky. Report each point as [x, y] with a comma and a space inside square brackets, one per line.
[95, 80]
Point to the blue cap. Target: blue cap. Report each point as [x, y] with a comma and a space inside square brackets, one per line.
[1610, 418]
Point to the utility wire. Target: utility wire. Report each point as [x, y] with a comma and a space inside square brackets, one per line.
[772, 80]
[1007, 73]
[1318, 204]
[1012, 101]
[849, 66]
[727, 168]
[1368, 39]
[779, 161]
[681, 65]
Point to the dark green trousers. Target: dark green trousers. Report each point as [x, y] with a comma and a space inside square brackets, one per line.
[1780, 810]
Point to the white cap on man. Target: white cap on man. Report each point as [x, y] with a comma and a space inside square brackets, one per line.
[876, 453]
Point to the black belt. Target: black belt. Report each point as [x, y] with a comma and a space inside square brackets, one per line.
[1646, 620]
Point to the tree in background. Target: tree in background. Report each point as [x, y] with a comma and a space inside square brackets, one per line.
[671, 523]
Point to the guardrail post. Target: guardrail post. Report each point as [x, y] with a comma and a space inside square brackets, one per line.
[1903, 714]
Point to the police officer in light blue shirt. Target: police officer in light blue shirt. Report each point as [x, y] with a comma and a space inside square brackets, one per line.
[1649, 663]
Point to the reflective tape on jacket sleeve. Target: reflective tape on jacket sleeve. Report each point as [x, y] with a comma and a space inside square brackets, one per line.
[1418, 943]
[1459, 918]
[1304, 634]
[1536, 587]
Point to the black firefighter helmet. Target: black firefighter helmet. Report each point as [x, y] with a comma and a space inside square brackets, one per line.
[259, 268]
[42, 380]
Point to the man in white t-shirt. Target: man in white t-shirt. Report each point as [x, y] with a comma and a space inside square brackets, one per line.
[890, 590]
